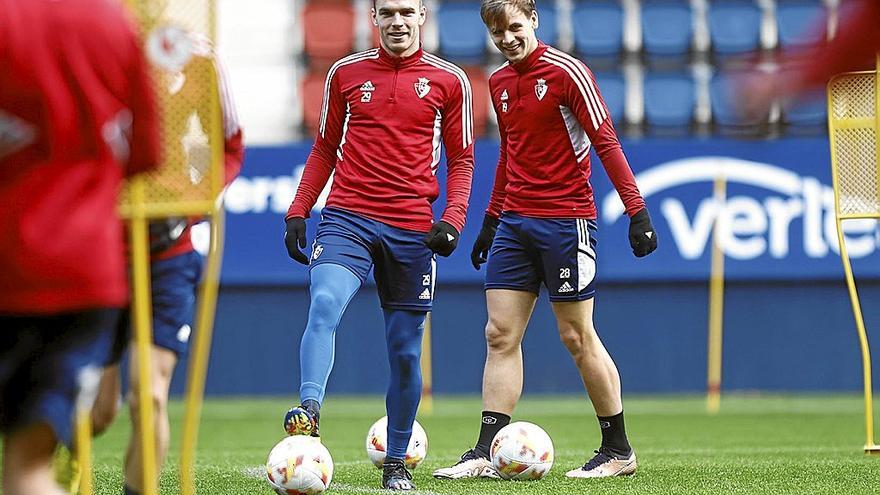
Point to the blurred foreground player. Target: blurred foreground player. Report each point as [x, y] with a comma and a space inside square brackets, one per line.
[854, 47]
[175, 266]
[77, 114]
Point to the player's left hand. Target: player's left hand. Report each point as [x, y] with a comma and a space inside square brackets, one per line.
[442, 238]
[294, 235]
[642, 236]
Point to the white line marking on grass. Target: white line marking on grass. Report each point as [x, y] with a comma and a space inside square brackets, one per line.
[260, 474]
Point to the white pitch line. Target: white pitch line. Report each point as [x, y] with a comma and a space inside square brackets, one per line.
[260, 474]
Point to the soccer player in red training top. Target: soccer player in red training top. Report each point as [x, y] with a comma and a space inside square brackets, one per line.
[77, 114]
[175, 266]
[541, 217]
[854, 47]
[386, 112]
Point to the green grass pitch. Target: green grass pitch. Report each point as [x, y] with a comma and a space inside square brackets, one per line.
[757, 444]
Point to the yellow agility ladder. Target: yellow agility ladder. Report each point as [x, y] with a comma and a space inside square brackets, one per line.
[854, 131]
[188, 184]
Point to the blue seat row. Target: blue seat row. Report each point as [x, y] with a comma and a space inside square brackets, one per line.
[667, 28]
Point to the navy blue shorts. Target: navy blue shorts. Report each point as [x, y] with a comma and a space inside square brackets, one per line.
[403, 267]
[560, 252]
[174, 284]
[47, 363]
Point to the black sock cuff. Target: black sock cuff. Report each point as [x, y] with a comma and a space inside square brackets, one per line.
[497, 416]
[128, 491]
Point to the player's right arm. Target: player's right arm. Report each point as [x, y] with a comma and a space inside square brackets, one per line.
[319, 166]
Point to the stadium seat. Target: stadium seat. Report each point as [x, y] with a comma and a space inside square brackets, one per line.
[598, 33]
[808, 116]
[548, 26]
[312, 100]
[734, 27]
[463, 36]
[725, 115]
[667, 31]
[613, 91]
[670, 99]
[320, 18]
[480, 88]
[800, 23]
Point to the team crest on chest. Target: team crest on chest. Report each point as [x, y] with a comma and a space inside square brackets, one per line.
[423, 87]
[541, 89]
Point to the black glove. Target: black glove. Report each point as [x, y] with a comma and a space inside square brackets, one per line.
[642, 236]
[442, 238]
[164, 233]
[296, 235]
[480, 252]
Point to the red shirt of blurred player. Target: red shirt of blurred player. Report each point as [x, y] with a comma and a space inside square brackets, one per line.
[854, 47]
[77, 114]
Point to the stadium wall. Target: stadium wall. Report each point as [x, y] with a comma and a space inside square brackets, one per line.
[788, 324]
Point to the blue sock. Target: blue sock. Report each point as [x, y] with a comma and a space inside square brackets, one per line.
[403, 333]
[128, 491]
[331, 288]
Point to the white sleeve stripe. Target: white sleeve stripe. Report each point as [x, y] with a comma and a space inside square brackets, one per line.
[356, 57]
[467, 98]
[203, 47]
[576, 73]
[231, 123]
[581, 70]
[580, 87]
[582, 76]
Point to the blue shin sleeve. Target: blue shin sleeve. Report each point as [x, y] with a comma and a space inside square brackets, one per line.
[331, 288]
[403, 334]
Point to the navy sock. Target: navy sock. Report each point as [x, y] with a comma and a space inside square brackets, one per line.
[614, 435]
[490, 424]
[331, 288]
[403, 334]
[128, 491]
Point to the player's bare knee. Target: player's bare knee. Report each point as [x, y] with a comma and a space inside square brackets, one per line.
[573, 339]
[500, 339]
[159, 399]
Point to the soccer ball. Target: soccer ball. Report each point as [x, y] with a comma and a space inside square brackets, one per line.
[522, 451]
[377, 444]
[299, 465]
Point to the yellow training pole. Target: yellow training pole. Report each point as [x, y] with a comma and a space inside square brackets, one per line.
[426, 406]
[870, 446]
[198, 365]
[846, 114]
[142, 321]
[716, 304]
[84, 448]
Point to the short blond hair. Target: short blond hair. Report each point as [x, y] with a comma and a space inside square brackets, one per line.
[493, 10]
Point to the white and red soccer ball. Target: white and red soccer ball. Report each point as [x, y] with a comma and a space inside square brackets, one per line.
[522, 451]
[377, 444]
[299, 465]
